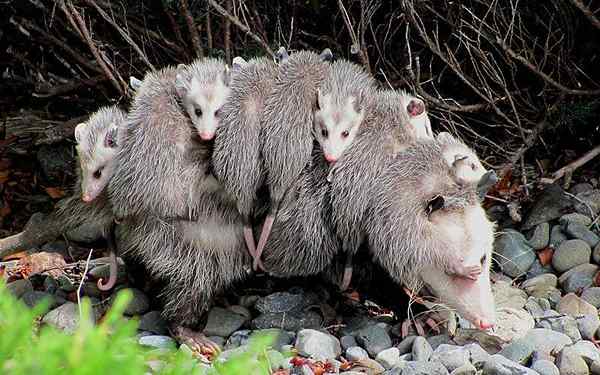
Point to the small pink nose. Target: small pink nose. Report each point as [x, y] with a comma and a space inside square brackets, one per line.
[207, 136]
[483, 325]
[86, 198]
[330, 158]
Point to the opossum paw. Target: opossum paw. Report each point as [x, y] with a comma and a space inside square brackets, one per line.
[202, 347]
[467, 272]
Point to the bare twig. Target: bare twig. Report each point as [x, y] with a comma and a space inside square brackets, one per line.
[587, 12]
[185, 10]
[241, 26]
[88, 39]
[571, 167]
[70, 86]
[209, 34]
[356, 45]
[227, 41]
[85, 271]
[122, 32]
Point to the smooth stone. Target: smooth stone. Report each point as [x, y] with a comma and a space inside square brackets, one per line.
[580, 188]
[64, 317]
[374, 339]
[217, 340]
[139, 304]
[545, 367]
[578, 278]
[499, 365]
[451, 356]
[557, 236]
[276, 360]
[592, 296]
[466, 369]
[533, 307]
[571, 253]
[156, 341]
[574, 306]
[50, 285]
[369, 366]
[576, 218]
[287, 321]
[540, 237]
[405, 346]
[588, 203]
[539, 285]
[237, 339]
[581, 232]
[66, 284]
[280, 302]
[560, 323]
[424, 368]
[513, 253]
[476, 353]
[19, 287]
[34, 297]
[317, 345]
[546, 340]
[569, 362]
[281, 338]
[388, 358]
[249, 301]
[356, 353]
[87, 232]
[537, 269]
[153, 321]
[506, 295]
[421, 349]
[519, 351]
[550, 205]
[355, 323]
[596, 254]
[588, 326]
[223, 322]
[512, 324]
[595, 368]
[348, 342]
[539, 356]
[587, 350]
[438, 340]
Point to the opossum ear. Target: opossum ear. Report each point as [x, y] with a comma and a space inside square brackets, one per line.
[110, 140]
[80, 132]
[446, 138]
[434, 204]
[134, 83]
[489, 179]
[415, 107]
[181, 86]
[281, 55]
[326, 55]
[238, 63]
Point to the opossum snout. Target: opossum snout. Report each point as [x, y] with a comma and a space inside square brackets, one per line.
[87, 198]
[206, 136]
[484, 325]
[330, 158]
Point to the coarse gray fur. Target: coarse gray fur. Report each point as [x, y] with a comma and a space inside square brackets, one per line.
[385, 132]
[237, 162]
[163, 168]
[404, 233]
[287, 139]
[343, 97]
[96, 149]
[195, 260]
[302, 241]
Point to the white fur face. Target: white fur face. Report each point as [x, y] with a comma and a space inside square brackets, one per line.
[465, 164]
[97, 157]
[470, 234]
[335, 126]
[203, 105]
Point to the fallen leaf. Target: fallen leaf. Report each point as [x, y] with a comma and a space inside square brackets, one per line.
[4, 175]
[21, 254]
[545, 256]
[55, 192]
[50, 263]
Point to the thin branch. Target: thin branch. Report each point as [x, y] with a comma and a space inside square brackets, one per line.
[185, 10]
[571, 167]
[241, 26]
[227, 42]
[125, 35]
[587, 12]
[357, 48]
[209, 34]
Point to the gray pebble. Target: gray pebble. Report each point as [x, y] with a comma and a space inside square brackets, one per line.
[499, 365]
[546, 340]
[466, 369]
[581, 232]
[514, 254]
[545, 367]
[348, 341]
[575, 217]
[388, 358]
[34, 297]
[276, 360]
[477, 354]
[64, 317]
[139, 304]
[538, 286]
[424, 368]
[19, 287]
[438, 340]
[587, 350]
[156, 341]
[550, 205]
[561, 323]
[588, 202]
[519, 351]
[280, 302]
[557, 236]
[317, 345]
[288, 321]
[588, 326]
[451, 356]
[540, 236]
[281, 337]
[222, 322]
[592, 296]
[596, 254]
[578, 278]
[580, 188]
[571, 253]
[537, 269]
[405, 346]
[152, 321]
[374, 339]
[356, 353]
[570, 362]
[421, 349]
[237, 339]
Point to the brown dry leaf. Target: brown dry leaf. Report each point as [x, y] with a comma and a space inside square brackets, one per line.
[55, 192]
[546, 256]
[51, 263]
[4, 175]
[20, 255]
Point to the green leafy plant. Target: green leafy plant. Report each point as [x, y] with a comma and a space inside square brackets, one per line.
[108, 347]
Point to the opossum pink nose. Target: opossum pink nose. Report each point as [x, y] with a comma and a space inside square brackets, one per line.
[330, 158]
[86, 198]
[483, 325]
[207, 136]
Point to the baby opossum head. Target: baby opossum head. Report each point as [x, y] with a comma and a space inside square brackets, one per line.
[463, 161]
[417, 114]
[97, 150]
[203, 88]
[336, 124]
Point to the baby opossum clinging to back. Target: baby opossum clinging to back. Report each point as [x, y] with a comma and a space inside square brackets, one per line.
[97, 150]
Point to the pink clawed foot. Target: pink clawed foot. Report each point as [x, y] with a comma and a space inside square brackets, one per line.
[250, 244]
[262, 241]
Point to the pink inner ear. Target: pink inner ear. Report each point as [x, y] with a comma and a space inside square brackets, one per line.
[415, 108]
[109, 140]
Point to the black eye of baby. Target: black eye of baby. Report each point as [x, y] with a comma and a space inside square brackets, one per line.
[98, 173]
[217, 112]
[345, 134]
[473, 166]
[198, 112]
[324, 132]
[483, 259]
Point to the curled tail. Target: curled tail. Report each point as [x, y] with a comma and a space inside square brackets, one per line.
[113, 268]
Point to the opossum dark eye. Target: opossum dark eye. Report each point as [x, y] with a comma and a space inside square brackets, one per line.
[435, 204]
[345, 134]
[98, 173]
[217, 113]
[483, 259]
[473, 166]
[198, 112]
[324, 133]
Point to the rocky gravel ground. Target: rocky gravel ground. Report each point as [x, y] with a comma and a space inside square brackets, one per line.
[546, 286]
